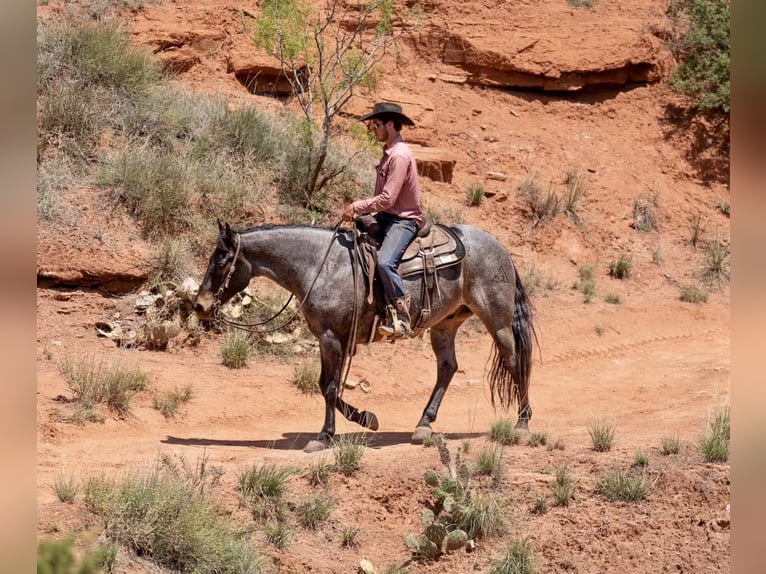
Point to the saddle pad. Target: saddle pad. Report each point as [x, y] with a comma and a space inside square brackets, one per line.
[441, 244]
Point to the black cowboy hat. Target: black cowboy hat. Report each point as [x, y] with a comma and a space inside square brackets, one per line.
[387, 108]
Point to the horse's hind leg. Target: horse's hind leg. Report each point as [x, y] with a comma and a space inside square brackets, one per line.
[443, 344]
[365, 419]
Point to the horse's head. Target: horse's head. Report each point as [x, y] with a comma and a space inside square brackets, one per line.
[228, 272]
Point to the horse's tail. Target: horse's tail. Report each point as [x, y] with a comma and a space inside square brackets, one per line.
[510, 383]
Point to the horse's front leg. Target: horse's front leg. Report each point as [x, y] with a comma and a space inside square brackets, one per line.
[331, 353]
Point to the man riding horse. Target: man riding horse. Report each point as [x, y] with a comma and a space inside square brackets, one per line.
[396, 208]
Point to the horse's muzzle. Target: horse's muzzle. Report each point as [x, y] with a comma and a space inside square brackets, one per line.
[203, 306]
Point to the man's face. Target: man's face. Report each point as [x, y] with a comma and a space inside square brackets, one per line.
[379, 129]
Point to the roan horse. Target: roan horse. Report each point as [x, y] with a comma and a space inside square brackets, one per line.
[316, 266]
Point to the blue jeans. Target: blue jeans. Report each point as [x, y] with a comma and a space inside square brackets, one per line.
[397, 233]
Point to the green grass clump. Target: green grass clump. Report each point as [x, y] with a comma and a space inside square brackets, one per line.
[715, 266]
[480, 517]
[602, 435]
[348, 451]
[490, 463]
[319, 472]
[58, 557]
[537, 439]
[576, 190]
[168, 403]
[714, 444]
[236, 349]
[314, 510]
[306, 377]
[503, 432]
[619, 485]
[542, 206]
[93, 382]
[65, 488]
[516, 560]
[278, 534]
[641, 459]
[621, 267]
[644, 217]
[586, 284]
[563, 487]
[670, 445]
[692, 294]
[264, 481]
[350, 537]
[166, 519]
[474, 194]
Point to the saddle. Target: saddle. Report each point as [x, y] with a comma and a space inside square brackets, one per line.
[435, 246]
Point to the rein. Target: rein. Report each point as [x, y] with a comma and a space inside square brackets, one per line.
[350, 344]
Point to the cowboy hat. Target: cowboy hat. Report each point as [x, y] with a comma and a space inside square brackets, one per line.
[387, 108]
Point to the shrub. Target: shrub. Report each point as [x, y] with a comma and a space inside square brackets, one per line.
[164, 518]
[58, 557]
[701, 46]
[613, 299]
[92, 381]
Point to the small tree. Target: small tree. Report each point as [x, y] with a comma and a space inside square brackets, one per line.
[325, 56]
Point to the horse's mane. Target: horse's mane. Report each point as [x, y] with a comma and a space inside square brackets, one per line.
[268, 226]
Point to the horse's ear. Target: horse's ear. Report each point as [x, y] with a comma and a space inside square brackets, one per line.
[220, 227]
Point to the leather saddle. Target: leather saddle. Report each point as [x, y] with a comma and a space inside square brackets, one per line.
[433, 247]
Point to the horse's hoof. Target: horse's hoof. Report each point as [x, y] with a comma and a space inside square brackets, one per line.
[369, 421]
[522, 425]
[316, 446]
[420, 435]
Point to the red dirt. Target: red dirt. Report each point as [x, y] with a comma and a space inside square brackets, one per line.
[658, 368]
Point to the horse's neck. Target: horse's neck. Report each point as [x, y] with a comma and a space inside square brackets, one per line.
[289, 256]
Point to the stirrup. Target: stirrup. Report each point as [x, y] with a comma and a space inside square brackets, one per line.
[394, 330]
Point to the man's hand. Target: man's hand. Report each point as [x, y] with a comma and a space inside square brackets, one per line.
[348, 213]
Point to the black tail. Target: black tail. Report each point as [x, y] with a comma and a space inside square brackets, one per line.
[511, 384]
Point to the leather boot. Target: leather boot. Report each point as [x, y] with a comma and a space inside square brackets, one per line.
[399, 319]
